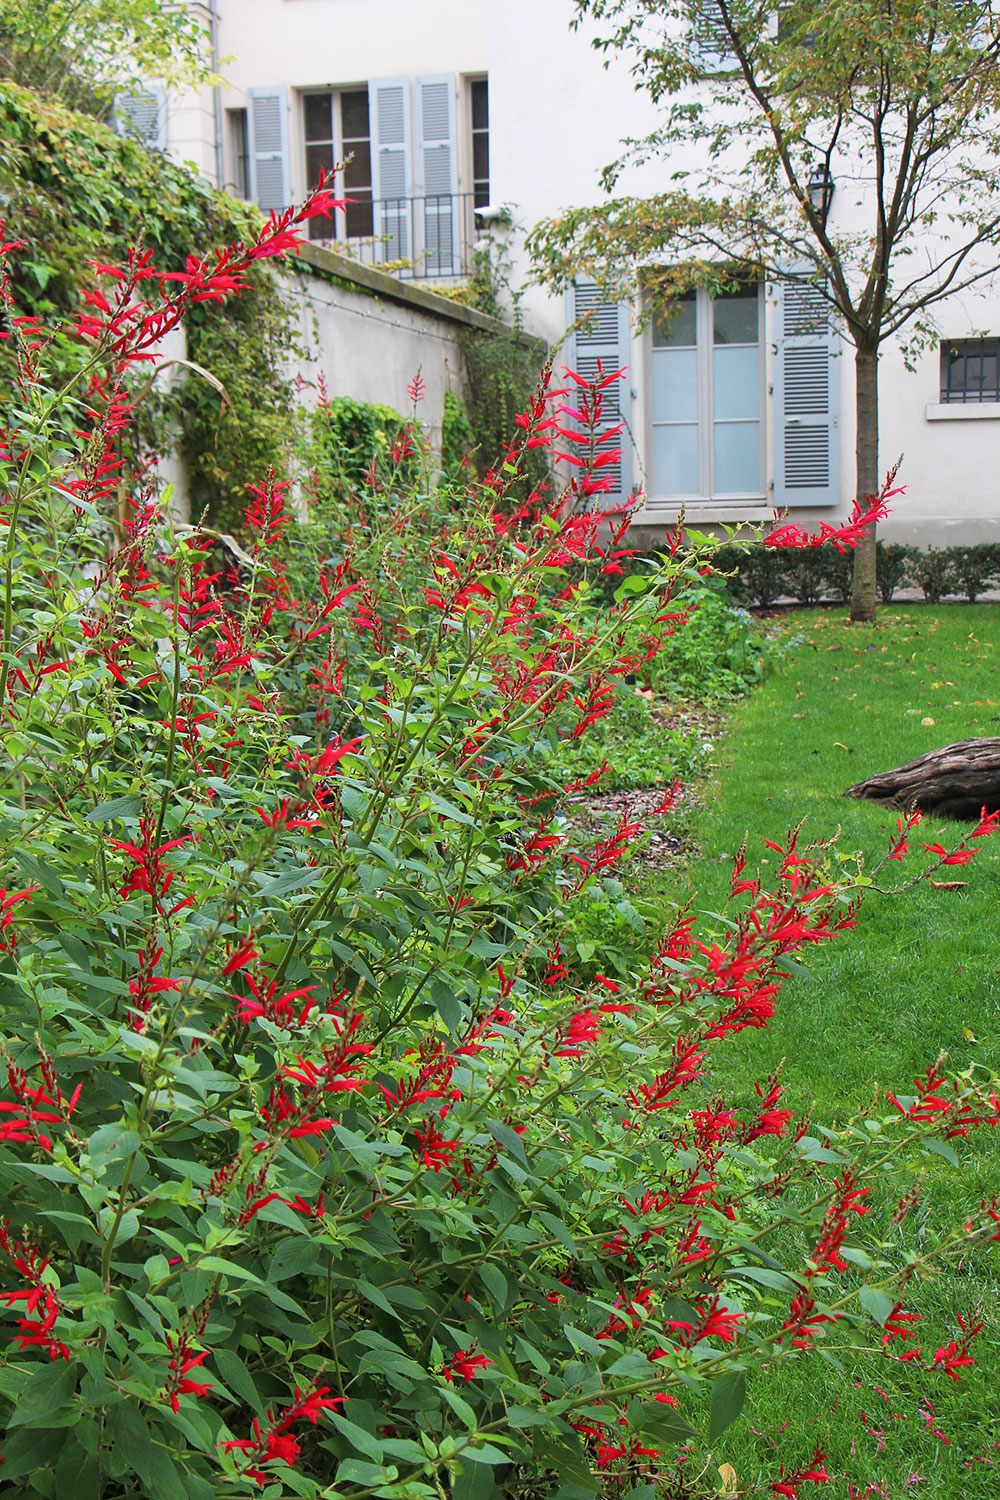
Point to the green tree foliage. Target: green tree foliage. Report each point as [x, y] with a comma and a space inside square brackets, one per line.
[895, 103]
[84, 51]
[79, 193]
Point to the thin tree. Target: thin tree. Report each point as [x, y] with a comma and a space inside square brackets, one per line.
[767, 106]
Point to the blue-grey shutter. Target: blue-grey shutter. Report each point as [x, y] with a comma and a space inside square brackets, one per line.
[806, 397]
[601, 334]
[437, 218]
[392, 171]
[270, 175]
[142, 114]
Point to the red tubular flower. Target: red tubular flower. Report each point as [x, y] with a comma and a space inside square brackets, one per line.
[276, 1444]
[897, 1325]
[181, 1362]
[436, 1151]
[815, 1473]
[149, 875]
[467, 1364]
[8, 935]
[986, 826]
[580, 1033]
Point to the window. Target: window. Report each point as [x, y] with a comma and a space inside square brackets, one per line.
[707, 382]
[336, 125]
[970, 370]
[239, 151]
[480, 108]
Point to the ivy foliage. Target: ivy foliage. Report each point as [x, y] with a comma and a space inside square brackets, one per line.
[501, 371]
[77, 193]
[346, 437]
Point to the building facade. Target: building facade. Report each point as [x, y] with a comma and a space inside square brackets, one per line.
[447, 114]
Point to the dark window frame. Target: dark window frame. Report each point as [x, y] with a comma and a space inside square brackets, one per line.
[970, 371]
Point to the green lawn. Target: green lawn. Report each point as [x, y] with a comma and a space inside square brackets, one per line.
[920, 974]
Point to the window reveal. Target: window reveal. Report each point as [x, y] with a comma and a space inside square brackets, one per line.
[706, 396]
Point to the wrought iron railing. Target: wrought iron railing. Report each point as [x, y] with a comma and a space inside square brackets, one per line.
[431, 237]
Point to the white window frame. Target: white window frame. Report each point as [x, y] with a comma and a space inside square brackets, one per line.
[335, 91]
[707, 495]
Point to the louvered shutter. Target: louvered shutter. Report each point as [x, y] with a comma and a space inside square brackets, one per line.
[392, 173]
[603, 336]
[142, 114]
[437, 176]
[806, 398]
[269, 165]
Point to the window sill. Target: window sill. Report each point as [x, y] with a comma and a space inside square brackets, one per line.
[959, 411]
[667, 511]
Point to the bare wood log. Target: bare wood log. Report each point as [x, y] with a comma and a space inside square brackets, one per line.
[954, 782]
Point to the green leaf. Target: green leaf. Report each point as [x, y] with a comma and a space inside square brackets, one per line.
[877, 1303]
[111, 1142]
[472, 1481]
[508, 1137]
[357, 1436]
[117, 807]
[237, 1377]
[496, 1282]
[941, 1148]
[77, 1476]
[486, 1453]
[729, 1393]
[46, 1393]
[664, 1423]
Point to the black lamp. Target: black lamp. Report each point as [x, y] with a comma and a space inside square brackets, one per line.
[820, 190]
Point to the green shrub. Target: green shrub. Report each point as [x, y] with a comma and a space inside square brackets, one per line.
[345, 437]
[805, 574]
[457, 438]
[321, 1170]
[892, 565]
[934, 572]
[975, 569]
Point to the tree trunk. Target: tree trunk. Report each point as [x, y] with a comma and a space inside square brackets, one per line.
[867, 483]
[957, 781]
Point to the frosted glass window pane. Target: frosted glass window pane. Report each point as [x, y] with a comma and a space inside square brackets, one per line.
[735, 383]
[675, 385]
[675, 460]
[734, 317]
[737, 458]
[678, 327]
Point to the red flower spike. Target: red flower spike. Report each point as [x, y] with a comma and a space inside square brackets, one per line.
[466, 1364]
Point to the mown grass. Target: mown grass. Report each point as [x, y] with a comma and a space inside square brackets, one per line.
[921, 974]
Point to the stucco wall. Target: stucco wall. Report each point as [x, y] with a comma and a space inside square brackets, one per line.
[367, 335]
[548, 157]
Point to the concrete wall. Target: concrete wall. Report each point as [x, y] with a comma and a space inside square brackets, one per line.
[365, 333]
[368, 339]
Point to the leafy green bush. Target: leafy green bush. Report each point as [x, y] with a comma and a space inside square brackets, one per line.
[319, 1171]
[975, 569]
[347, 437]
[718, 651]
[805, 575]
[457, 438]
[934, 572]
[634, 744]
[892, 568]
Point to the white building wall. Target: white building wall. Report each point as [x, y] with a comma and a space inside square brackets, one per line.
[548, 157]
[559, 111]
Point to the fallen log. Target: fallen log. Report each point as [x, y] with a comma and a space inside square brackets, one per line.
[957, 781]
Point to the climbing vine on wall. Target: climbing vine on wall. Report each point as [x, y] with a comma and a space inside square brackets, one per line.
[76, 192]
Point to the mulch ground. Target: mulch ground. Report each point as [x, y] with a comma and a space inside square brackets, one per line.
[666, 843]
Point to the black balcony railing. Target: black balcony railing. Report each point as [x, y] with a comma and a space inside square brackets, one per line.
[431, 237]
